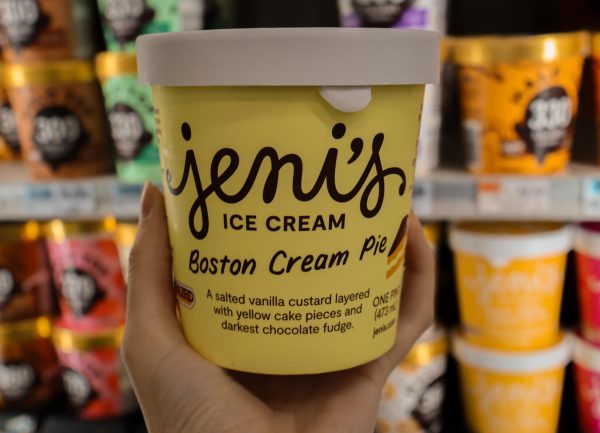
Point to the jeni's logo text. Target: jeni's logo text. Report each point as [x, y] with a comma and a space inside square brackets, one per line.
[370, 185]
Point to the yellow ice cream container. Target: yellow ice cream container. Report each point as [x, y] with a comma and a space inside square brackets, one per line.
[510, 279]
[288, 161]
[517, 392]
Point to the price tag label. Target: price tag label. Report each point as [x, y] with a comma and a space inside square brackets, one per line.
[590, 197]
[41, 200]
[56, 199]
[11, 201]
[514, 196]
[422, 199]
[76, 198]
[125, 200]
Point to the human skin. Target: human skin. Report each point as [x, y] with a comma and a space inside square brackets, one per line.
[181, 392]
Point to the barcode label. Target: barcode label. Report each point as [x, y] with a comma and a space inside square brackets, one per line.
[513, 196]
[422, 197]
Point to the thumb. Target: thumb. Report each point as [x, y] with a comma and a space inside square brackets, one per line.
[151, 301]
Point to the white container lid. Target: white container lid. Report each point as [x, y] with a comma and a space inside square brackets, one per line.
[587, 355]
[502, 246]
[289, 57]
[497, 361]
[587, 241]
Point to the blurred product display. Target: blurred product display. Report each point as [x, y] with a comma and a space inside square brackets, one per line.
[25, 282]
[87, 273]
[131, 117]
[43, 30]
[10, 147]
[510, 281]
[29, 373]
[408, 14]
[512, 391]
[124, 20]
[519, 100]
[92, 372]
[60, 117]
[414, 392]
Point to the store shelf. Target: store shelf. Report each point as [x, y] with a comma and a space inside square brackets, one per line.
[443, 195]
[22, 198]
[450, 195]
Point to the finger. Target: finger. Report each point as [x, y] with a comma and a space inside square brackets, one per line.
[151, 302]
[418, 293]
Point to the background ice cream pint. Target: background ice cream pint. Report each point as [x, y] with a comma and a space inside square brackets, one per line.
[29, 373]
[43, 30]
[587, 259]
[60, 116]
[93, 375]
[87, 274]
[414, 392]
[596, 69]
[287, 187]
[124, 20]
[519, 100]
[510, 282]
[587, 385]
[517, 392]
[25, 283]
[130, 116]
[408, 14]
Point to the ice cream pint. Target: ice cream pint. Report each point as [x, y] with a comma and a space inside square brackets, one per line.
[519, 98]
[43, 30]
[10, 148]
[130, 117]
[124, 20]
[596, 69]
[29, 373]
[93, 375]
[25, 281]
[414, 392]
[87, 274]
[587, 261]
[509, 391]
[407, 14]
[60, 116]
[587, 385]
[287, 187]
[510, 282]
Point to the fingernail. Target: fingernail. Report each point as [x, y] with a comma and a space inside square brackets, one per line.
[147, 199]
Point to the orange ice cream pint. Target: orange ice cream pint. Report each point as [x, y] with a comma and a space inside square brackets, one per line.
[519, 100]
[517, 392]
[510, 282]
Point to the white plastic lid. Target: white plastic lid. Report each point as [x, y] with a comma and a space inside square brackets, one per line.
[587, 241]
[587, 355]
[557, 356]
[502, 247]
[289, 57]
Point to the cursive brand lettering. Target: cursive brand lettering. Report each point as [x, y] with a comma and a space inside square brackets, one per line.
[370, 185]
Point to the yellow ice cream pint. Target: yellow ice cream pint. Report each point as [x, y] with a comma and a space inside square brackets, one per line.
[510, 282]
[288, 161]
[517, 392]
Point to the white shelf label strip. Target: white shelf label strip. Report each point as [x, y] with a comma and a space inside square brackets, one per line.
[515, 196]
